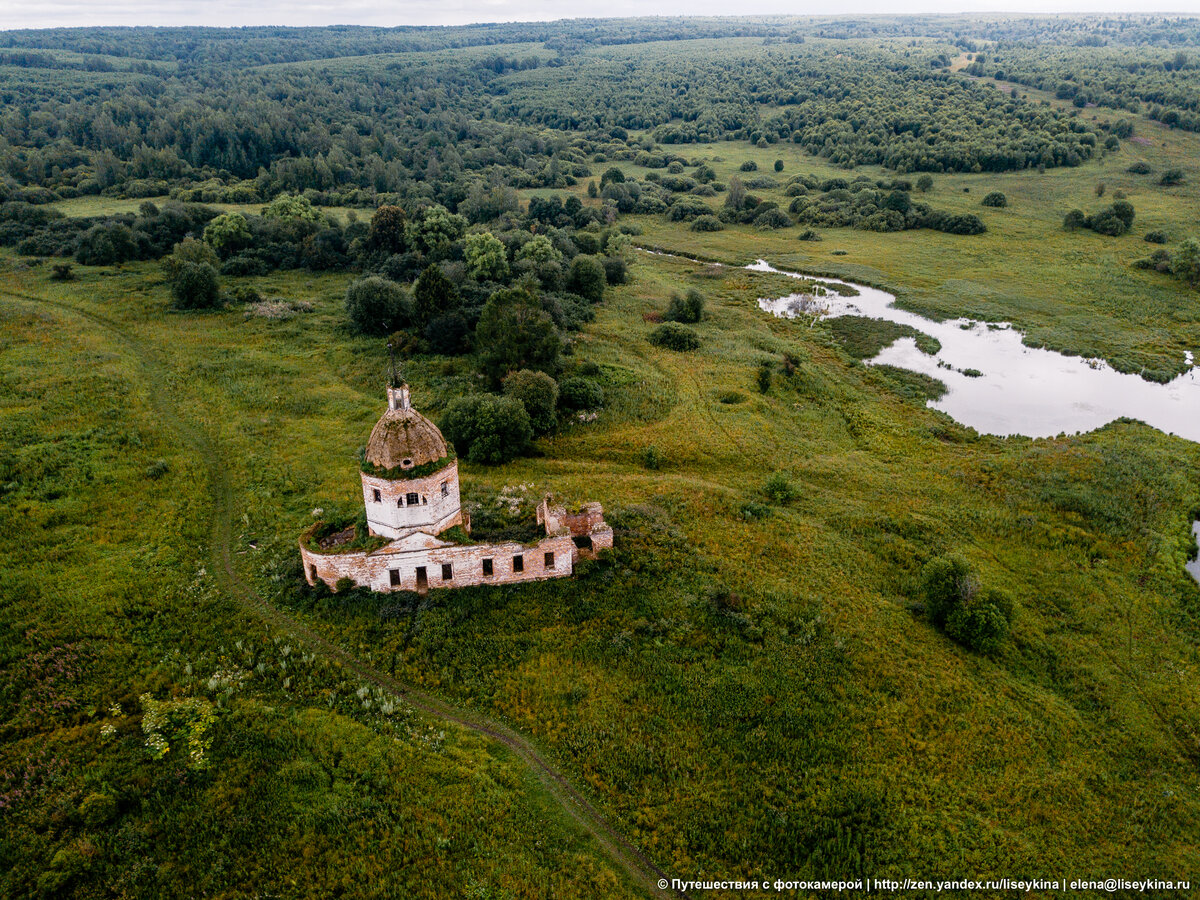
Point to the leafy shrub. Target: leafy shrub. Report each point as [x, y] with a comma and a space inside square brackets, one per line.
[157, 469]
[1074, 220]
[966, 223]
[749, 166]
[673, 336]
[586, 277]
[979, 623]
[707, 223]
[538, 393]
[763, 379]
[515, 332]
[688, 309]
[106, 244]
[1159, 261]
[244, 266]
[1141, 167]
[449, 335]
[954, 602]
[228, 233]
[487, 429]
[1155, 237]
[195, 286]
[945, 580]
[243, 293]
[687, 209]
[809, 235]
[433, 295]
[578, 393]
[652, 458]
[773, 219]
[62, 272]
[375, 305]
[1171, 177]
[753, 511]
[995, 199]
[1113, 221]
[616, 270]
[779, 489]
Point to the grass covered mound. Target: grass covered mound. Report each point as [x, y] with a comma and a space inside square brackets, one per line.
[863, 338]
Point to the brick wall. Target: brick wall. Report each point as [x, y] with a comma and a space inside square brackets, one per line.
[374, 570]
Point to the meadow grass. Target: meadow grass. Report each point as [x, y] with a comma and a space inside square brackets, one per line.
[743, 685]
[736, 693]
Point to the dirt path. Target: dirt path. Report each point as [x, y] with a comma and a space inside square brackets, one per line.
[640, 868]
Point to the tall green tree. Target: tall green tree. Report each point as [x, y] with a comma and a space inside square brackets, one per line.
[485, 256]
[515, 333]
[433, 295]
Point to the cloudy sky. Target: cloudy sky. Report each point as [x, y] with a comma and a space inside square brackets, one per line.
[49, 13]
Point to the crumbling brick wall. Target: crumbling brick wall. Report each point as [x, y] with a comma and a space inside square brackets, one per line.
[466, 561]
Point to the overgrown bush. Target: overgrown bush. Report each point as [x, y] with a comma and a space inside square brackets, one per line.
[779, 489]
[515, 332]
[995, 199]
[487, 429]
[538, 393]
[975, 617]
[195, 286]
[688, 309]
[980, 622]
[579, 393]
[375, 305]
[673, 336]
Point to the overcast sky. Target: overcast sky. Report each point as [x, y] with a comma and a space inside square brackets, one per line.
[49, 13]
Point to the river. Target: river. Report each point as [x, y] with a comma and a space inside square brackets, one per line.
[998, 385]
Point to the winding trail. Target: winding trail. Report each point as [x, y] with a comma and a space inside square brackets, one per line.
[640, 869]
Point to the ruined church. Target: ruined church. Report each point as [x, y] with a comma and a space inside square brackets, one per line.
[411, 492]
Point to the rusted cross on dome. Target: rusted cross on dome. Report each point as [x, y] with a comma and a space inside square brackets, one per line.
[395, 376]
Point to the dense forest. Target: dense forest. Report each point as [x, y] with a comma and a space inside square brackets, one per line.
[353, 113]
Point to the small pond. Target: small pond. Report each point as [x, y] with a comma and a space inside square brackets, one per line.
[996, 384]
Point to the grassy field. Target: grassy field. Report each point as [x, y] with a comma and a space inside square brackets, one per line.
[740, 690]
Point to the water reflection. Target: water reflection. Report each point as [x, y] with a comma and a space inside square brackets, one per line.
[997, 385]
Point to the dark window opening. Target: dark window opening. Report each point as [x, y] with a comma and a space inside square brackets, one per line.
[583, 541]
[406, 463]
[518, 563]
[412, 500]
[394, 576]
[548, 561]
[445, 489]
[399, 501]
[375, 494]
[487, 567]
[422, 579]
[312, 570]
[447, 572]
[424, 500]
